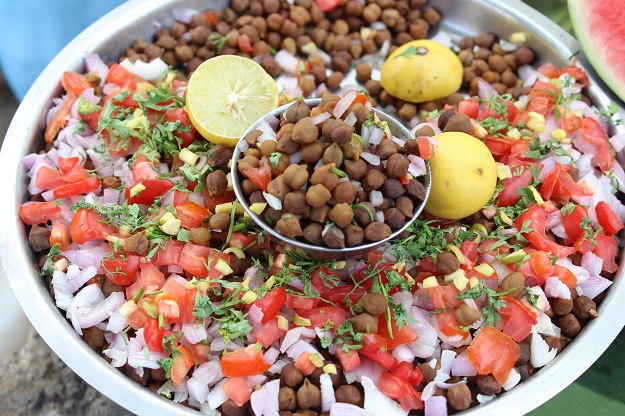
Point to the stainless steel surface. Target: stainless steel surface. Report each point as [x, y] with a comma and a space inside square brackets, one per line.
[300, 247]
[116, 31]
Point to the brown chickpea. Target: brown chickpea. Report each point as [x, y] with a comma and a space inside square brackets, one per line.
[355, 169]
[320, 214]
[312, 233]
[311, 153]
[466, 315]
[377, 231]
[354, 235]
[291, 376]
[287, 399]
[514, 282]
[248, 162]
[365, 323]
[278, 188]
[344, 193]
[268, 147]
[295, 203]
[447, 263]
[318, 195]
[333, 154]
[325, 176]
[375, 303]
[219, 221]
[295, 176]
[289, 226]
[341, 214]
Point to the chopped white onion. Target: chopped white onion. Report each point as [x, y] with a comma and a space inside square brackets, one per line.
[351, 119]
[344, 104]
[376, 136]
[346, 409]
[265, 401]
[512, 380]
[436, 406]
[540, 354]
[273, 201]
[377, 403]
[327, 392]
[320, 118]
[376, 198]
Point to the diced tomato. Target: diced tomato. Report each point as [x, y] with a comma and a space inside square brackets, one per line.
[261, 176]
[469, 107]
[541, 265]
[271, 303]
[401, 390]
[39, 212]
[608, 220]
[208, 16]
[121, 270]
[151, 278]
[499, 146]
[607, 249]
[349, 360]
[375, 349]
[245, 241]
[169, 254]
[549, 70]
[76, 83]
[449, 326]
[211, 201]
[565, 276]
[319, 316]
[86, 226]
[191, 215]
[153, 335]
[492, 352]
[237, 390]
[406, 371]
[426, 147]
[578, 73]
[509, 195]
[537, 217]
[603, 154]
[60, 118]
[119, 75]
[327, 5]
[304, 364]
[301, 302]
[269, 332]
[546, 90]
[570, 122]
[199, 352]
[153, 189]
[67, 164]
[468, 249]
[572, 222]
[398, 336]
[201, 261]
[549, 182]
[48, 178]
[182, 364]
[137, 319]
[244, 362]
[443, 296]
[243, 41]
[518, 321]
[344, 295]
[78, 188]
[187, 131]
[567, 189]
[59, 235]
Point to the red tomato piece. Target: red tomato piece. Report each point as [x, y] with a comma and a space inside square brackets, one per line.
[200, 352]
[304, 364]
[572, 222]
[119, 75]
[153, 335]
[426, 148]
[195, 259]
[448, 324]
[327, 5]
[271, 303]
[86, 226]
[261, 176]
[237, 390]
[518, 321]
[186, 132]
[349, 360]
[608, 220]
[565, 276]
[607, 249]
[603, 154]
[492, 352]
[401, 390]
[191, 215]
[121, 270]
[269, 332]
[469, 107]
[153, 189]
[301, 302]
[78, 188]
[76, 83]
[319, 316]
[549, 182]
[169, 254]
[59, 235]
[211, 201]
[537, 217]
[38, 212]
[67, 164]
[509, 195]
[48, 178]
[406, 371]
[182, 364]
[375, 349]
[398, 337]
[243, 41]
[60, 118]
[245, 362]
[541, 265]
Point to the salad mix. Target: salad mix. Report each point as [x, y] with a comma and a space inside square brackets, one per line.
[224, 320]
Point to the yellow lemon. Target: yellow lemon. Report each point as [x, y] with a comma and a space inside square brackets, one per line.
[228, 93]
[464, 176]
[421, 70]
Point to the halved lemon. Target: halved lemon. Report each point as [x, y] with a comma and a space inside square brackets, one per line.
[228, 93]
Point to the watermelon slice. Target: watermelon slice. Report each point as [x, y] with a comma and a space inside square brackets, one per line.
[600, 29]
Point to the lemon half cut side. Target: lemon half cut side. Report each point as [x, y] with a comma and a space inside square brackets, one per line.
[226, 95]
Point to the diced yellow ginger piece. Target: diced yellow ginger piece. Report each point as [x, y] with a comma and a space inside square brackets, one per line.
[429, 282]
[484, 269]
[222, 267]
[461, 282]
[249, 297]
[188, 156]
[171, 227]
[137, 189]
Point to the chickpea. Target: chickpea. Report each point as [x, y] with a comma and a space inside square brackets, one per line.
[318, 195]
[374, 303]
[562, 306]
[295, 203]
[219, 221]
[334, 238]
[487, 385]
[216, 182]
[287, 399]
[344, 193]
[459, 396]
[355, 169]
[312, 233]
[569, 324]
[278, 188]
[584, 308]
[297, 111]
[348, 394]
[291, 376]
[333, 154]
[248, 162]
[290, 226]
[466, 315]
[325, 176]
[295, 176]
[354, 235]
[341, 214]
[304, 132]
[515, 282]
[447, 263]
[377, 231]
[311, 153]
[319, 214]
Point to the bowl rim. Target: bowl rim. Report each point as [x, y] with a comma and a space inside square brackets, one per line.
[20, 268]
[323, 251]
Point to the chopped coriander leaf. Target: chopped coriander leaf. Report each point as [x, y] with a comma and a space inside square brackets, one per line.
[540, 150]
[274, 159]
[166, 364]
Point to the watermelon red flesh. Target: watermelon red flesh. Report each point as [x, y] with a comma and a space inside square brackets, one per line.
[600, 29]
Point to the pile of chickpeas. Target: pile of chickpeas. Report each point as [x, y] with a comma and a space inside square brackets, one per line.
[331, 187]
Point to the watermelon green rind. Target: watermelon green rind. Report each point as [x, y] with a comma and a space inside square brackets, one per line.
[600, 29]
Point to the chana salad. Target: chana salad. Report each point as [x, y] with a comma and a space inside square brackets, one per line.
[150, 257]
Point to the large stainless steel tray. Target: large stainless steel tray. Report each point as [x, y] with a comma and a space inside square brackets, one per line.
[141, 18]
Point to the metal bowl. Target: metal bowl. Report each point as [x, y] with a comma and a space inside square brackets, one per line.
[309, 250]
[140, 19]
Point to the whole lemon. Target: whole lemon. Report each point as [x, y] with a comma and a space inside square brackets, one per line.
[464, 176]
[421, 70]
